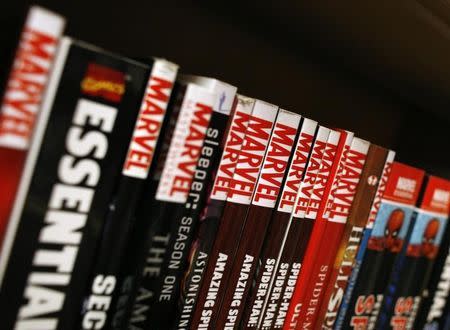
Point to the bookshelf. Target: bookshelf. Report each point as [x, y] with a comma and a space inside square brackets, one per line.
[358, 65]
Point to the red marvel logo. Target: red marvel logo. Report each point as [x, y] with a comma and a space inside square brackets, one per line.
[104, 82]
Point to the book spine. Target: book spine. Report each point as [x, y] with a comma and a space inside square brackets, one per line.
[211, 213]
[240, 194]
[183, 227]
[346, 252]
[135, 171]
[279, 224]
[403, 294]
[69, 170]
[365, 238]
[171, 193]
[385, 242]
[137, 254]
[30, 73]
[343, 193]
[295, 308]
[434, 294]
[272, 175]
[285, 269]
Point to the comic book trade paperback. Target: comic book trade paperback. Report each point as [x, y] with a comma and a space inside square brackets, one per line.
[135, 170]
[287, 264]
[240, 192]
[337, 213]
[22, 98]
[264, 200]
[211, 213]
[414, 264]
[78, 148]
[168, 202]
[279, 224]
[432, 309]
[389, 232]
[299, 295]
[365, 238]
[349, 244]
[184, 226]
[135, 251]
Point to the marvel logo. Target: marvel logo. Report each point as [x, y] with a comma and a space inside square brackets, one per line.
[441, 196]
[407, 185]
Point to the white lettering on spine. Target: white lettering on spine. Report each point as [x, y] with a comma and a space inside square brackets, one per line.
[67, 213]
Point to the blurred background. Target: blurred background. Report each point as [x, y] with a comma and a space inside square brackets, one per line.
[378, 68]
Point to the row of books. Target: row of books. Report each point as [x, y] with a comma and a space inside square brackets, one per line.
[134, 197]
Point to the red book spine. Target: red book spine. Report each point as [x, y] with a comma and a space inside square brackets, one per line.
[288, 265]
[337, 214]
[240, 194]
[264, 200]
[299, 295]
[22, 99]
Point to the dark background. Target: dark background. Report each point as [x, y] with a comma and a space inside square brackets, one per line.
[378, 68]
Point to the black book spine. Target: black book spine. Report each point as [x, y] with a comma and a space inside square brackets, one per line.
[136, 251]
[183, 227]
[79, 146]
[171, 195]
[136, 168]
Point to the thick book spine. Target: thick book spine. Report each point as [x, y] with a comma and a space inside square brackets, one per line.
[30, 72]
[171, 195]
[211, 213]
[272, 175]
[295, 308]
[349, 244]
[365, 238]
[240, 194]
[403, 294]
[135, 171]
[78, 148]
[385, 242]
[183, 227]
[279, 224]
[434, 296]
[337, 213]
[286, 271]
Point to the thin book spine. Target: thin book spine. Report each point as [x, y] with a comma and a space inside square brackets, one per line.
[296, 308]
[240, 193]
[349, 244]
[290, 254]
[22, 99]
[135, 170]
[272, 176]
[211, 213]
[338, 210]
[279, 224]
